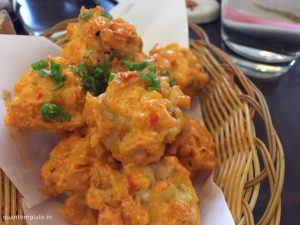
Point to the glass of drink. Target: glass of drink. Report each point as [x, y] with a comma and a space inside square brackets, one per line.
[262, 36]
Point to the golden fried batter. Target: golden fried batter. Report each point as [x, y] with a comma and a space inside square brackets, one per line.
[31, 91]
[139, 122]
[77, 212]
[182, 65]
[70, 166]
[158, 194]
[102, 37]
[92, 115]
[194, 147]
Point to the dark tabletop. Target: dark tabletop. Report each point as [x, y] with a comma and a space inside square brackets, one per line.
[281, 96]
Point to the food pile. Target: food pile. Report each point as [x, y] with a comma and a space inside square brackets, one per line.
[128, 152]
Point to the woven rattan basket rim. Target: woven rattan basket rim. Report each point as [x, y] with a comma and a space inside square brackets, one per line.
[246, 101]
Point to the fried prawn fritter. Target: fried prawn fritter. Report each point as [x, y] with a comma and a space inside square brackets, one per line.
[96, 37]
[70, 165]
[180, 64]
[77, 212]
[194, 147]
[139, 122]
[160, 193]
[33, 90]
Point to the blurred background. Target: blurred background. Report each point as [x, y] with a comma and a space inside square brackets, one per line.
[35, 16]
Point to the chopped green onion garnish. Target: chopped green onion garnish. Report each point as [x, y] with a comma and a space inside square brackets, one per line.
[147, 78]
[41, 64]
[86, 15]
[55, 74]
[59, 86]
[111, 77]
[89, 84]
[172, 82]
[74, 70]
[105, 65]
[87, 55]
[153, 88]
[135, 67]
[107, 15]
[82, 68]
[165, 73]
[152, 68]
[156, 82]
[53, 112]
[151, 80]
[42, 73]
[97, 72]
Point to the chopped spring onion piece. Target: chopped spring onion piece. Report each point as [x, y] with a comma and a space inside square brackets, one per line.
[87, 55]
[53, 112]
[41, 64]
[135, 67]
[153, 88]
[152, 68]
[86, 15]
[156, 82]
[89, 84]
[107, 15]
[82, 68]
[111, 77]
[97, 71]
[74, 70]
[55, 74]
[172, 82]
[59, 86]
[151, 80]
[147, 78]
[165, 73]
[42, 73]
[105, 65]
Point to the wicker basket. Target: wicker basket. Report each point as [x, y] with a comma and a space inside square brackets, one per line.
[229, 103]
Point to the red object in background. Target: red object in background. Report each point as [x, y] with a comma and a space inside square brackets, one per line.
[191, 4]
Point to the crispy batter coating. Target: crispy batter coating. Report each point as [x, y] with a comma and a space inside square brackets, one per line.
[70, 165]
[92, 116]
[160, 193]
[139, 122]
[77, 212]
[182, 65]
[31, 91]
[103, 37]
[194, 147]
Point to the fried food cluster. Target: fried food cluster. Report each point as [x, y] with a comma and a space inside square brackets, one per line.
[32, 90]
[129, 152]
[103, 38]
[182, 65]
[140, 122]
[159, 193]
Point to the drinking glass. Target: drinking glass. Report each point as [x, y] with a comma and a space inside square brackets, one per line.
[262, 36]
